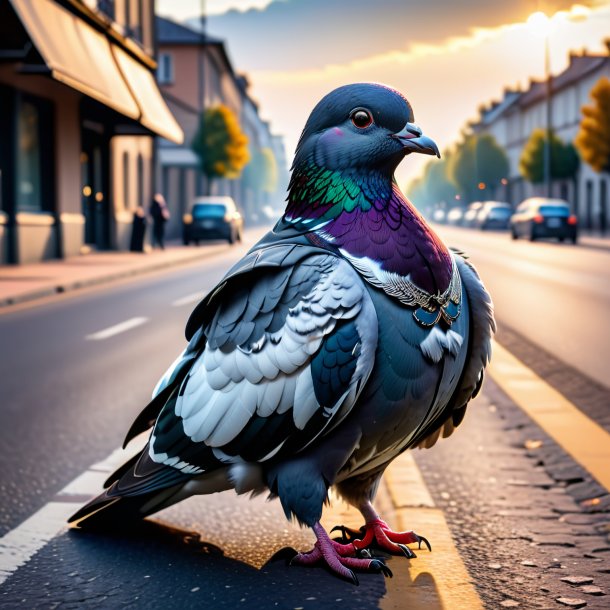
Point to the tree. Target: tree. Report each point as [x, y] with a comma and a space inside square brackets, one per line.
[593, 139]
[261, 172]
[564, 158]
[220, 144]
[439, 187]
[416, 192]
[269, 171]
[478, 164]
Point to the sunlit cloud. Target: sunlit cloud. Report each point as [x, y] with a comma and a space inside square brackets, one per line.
[537, 23]
[185, 9]
[445, 82]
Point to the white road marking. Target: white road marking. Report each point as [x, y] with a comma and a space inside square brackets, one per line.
[21, 543]
[188, 299]
[116, 329]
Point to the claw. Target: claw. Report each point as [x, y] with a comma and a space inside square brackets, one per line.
[347, 533]
[380, 566]
[425, 541]
[364, 554]
[354, 578]
[408, 553]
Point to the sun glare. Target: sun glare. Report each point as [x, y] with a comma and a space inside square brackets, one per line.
[538, 23]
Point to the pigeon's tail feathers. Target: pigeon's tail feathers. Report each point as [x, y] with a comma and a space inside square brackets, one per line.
[116, 512]
[121, 470]
[138, 488]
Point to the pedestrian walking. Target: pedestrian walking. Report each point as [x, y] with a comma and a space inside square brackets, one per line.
[160, 215]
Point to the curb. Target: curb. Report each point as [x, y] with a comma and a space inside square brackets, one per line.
[34, 295]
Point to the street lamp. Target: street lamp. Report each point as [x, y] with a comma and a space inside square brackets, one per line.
[540, 24]
[201, 74]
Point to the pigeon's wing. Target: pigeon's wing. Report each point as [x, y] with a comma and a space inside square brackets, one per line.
[284, 359]
[482, 326]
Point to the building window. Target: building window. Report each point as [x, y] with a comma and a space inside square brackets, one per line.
[140, 194]
[106, 7]
[33, 172]
[165, 69]
[126, 180]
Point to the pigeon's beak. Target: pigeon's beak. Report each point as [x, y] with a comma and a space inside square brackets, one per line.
[413, 140]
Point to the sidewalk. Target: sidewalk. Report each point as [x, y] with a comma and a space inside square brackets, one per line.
[594, 240]
[22, 283]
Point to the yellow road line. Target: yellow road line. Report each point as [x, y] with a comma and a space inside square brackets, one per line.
[587, 442]
[432, 581]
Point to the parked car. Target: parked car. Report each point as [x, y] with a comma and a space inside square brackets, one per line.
[540, 217]
[494, 215]
[470, 216]
[455, 216]
[212, 218]
[439, 215]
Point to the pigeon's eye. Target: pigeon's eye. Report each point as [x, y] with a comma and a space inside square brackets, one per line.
[361, 118]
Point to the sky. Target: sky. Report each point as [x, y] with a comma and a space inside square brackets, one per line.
[448, 57]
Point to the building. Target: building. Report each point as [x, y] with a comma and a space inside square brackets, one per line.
[513, 119]
[195, 73]
[79, 109]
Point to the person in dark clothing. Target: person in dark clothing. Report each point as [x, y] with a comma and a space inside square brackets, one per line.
[160, 215]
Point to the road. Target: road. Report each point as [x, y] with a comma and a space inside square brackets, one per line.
[75, 372]
[557, 295]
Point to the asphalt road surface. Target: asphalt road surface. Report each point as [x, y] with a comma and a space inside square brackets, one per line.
[556, 295]
[76, 371]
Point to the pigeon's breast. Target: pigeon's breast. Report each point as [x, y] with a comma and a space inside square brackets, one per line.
[393, 236]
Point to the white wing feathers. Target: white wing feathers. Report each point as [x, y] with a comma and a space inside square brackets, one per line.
[224, 389]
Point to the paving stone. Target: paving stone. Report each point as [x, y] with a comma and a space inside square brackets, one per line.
[592, 590]
[596, 505]
[583, 518]
[504, 520]
[572, 602]
[577, 580]
[585, 490]
[553, 540]
[594, 545]
[565, 471]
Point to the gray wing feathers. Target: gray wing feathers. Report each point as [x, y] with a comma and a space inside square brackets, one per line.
[251, 365]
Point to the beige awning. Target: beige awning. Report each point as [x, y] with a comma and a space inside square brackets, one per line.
[156, 116]
[77, 54]
[84, 59]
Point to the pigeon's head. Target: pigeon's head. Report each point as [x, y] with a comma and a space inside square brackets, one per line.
[361, 126]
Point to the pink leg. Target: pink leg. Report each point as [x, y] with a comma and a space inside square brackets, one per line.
[336, 557]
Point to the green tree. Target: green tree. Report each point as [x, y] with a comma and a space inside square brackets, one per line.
[220, 144]
[593, 139]
[440, 187]
[478, 165]
[564, 158]
[416, 192]
[261, 173]
[270, 172]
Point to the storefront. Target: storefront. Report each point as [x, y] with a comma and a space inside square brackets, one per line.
[79, 108]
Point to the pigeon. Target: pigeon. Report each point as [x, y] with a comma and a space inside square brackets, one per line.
[348, 334]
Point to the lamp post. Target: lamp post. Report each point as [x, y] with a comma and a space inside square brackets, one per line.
[201, 78]
[540, 25]
[549, 117]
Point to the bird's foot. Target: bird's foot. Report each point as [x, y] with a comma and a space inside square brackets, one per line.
[338, 558]
[377, 532]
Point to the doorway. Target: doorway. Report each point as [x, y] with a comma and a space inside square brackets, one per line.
[95, 186]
